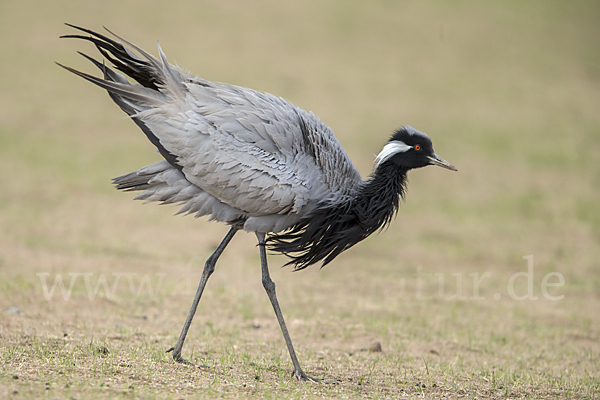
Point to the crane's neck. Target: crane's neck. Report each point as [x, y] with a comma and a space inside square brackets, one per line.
[333, 228]
[379, 198]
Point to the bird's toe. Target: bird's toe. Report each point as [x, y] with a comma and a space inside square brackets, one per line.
[302, 377]
[177, 357]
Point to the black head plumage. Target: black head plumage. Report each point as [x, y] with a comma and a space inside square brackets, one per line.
[409, 149]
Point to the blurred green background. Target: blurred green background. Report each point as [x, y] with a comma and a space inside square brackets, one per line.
[508, 91]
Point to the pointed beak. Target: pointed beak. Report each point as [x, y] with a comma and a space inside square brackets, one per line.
[440, 162]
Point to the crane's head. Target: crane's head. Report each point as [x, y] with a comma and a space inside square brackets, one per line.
[408, 149]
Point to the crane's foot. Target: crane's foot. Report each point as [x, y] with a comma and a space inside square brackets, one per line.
[302, 377]
[177, 357]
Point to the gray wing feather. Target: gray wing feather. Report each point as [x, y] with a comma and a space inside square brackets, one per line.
[227, 141]
[243, 154]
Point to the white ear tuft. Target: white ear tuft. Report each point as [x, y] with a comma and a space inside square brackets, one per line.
[393, 147]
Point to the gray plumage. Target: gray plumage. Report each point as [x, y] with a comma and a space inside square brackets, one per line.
[254, 161]
[244, 155]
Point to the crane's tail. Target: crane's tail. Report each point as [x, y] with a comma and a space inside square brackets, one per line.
[159, 82]
[157, 78]
[161, 182]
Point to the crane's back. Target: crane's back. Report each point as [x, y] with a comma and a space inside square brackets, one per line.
[238, 155]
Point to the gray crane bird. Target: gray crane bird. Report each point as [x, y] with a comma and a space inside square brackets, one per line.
[253, 161]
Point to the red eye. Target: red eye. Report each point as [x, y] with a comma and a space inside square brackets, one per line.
[417, 147]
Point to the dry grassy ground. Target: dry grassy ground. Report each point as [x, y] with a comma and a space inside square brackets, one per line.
[509, 92]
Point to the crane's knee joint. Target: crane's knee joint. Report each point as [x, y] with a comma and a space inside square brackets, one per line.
[269, 285]
[209, 266]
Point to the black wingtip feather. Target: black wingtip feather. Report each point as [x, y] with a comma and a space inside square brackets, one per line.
[124, 60]
[131, 65]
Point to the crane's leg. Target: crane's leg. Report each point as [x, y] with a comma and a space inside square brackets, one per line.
[269, 286]
[209, 268]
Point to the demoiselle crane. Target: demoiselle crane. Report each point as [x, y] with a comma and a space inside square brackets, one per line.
[253, 161]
